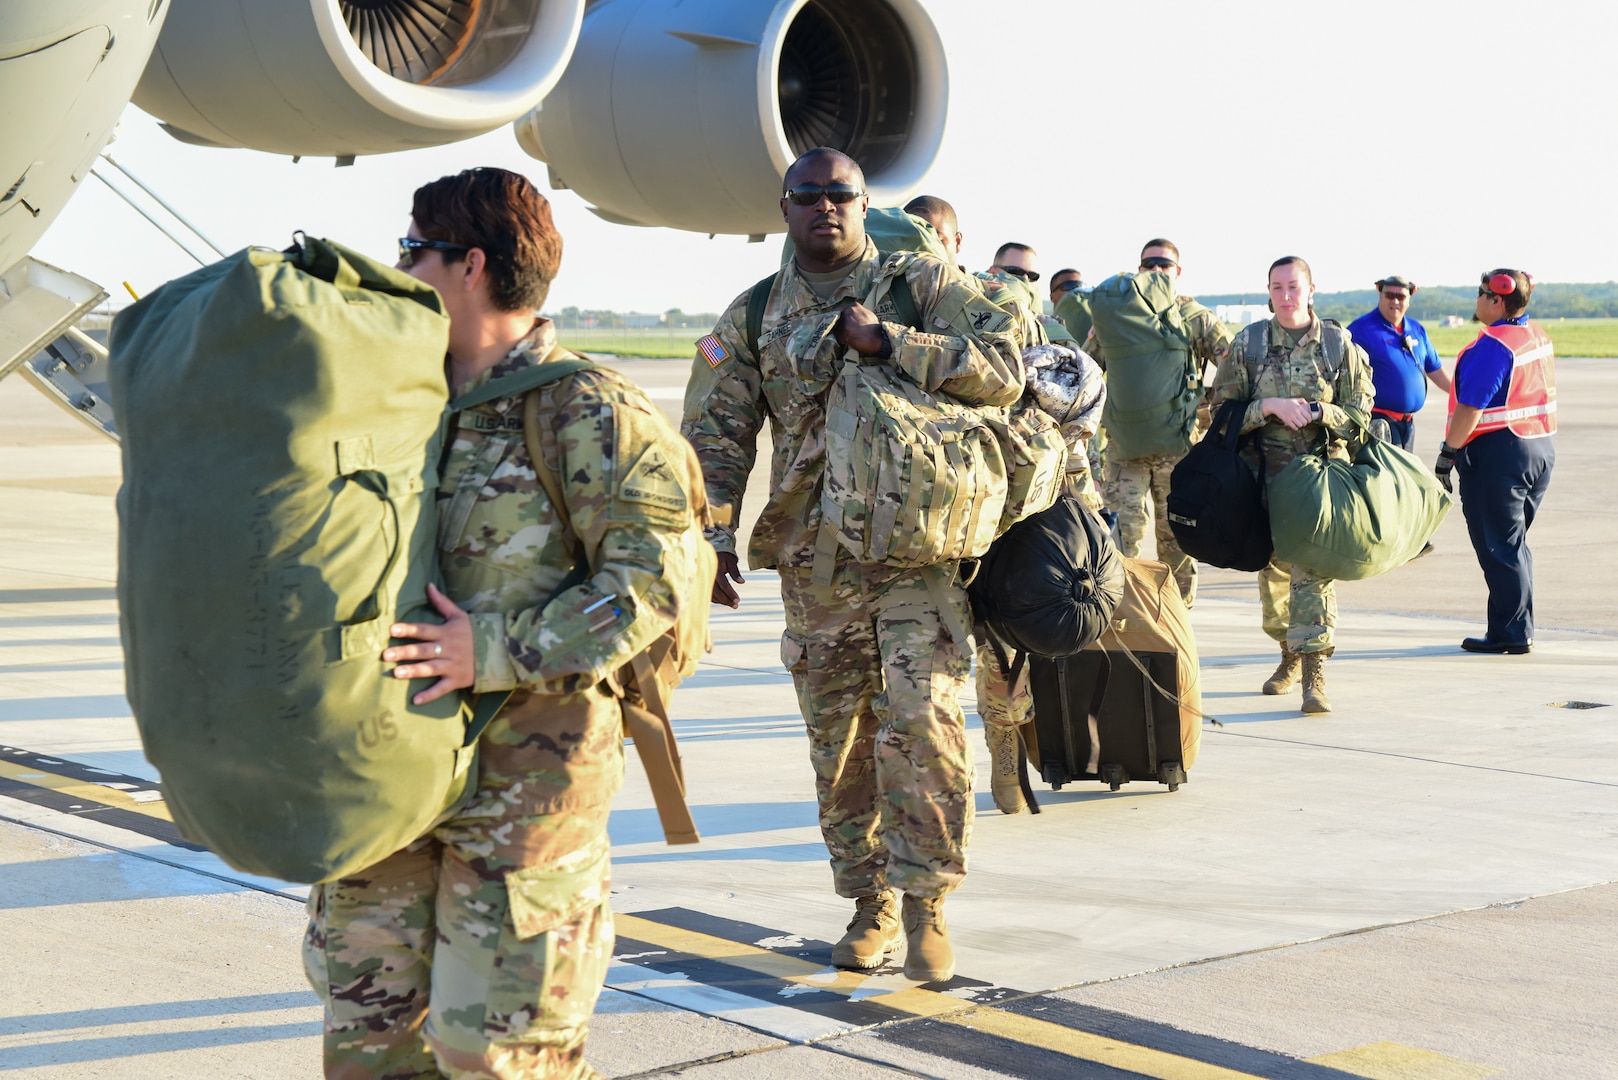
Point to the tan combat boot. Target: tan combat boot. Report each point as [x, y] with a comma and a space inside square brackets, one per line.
[1004, 754]
[1314, 684]
[872, 934]
[928, 956]
[1286, 673]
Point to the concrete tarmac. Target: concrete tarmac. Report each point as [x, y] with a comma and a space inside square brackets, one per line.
[1420, 884]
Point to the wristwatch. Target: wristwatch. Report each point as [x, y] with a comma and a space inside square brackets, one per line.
[1316, 414]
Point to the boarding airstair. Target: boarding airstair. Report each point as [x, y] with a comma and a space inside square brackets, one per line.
[40, 307]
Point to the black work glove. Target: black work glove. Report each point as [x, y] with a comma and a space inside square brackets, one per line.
[1445, 465]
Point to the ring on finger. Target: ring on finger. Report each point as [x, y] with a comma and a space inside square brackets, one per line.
[438, 650]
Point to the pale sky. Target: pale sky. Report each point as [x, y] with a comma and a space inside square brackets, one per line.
[1430, 138]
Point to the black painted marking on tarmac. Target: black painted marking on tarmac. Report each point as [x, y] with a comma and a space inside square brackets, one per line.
[79, 805]
[953, 1042]
[810, 950]
[1172, 1040]
[955, 1037]
[762, 988]
[89, 774]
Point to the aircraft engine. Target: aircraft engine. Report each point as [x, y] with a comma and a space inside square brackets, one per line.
[345, 77]
[686, 115]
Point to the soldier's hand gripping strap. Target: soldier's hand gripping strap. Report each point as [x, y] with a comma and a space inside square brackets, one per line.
[645, 710]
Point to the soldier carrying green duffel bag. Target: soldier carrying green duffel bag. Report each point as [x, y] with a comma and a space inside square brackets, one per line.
[1304, 381]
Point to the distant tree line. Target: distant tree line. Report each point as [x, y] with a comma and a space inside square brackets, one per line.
[572, 318]
[1552, 300]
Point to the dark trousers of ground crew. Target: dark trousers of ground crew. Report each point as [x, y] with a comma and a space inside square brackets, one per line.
[1503, 480]
[879, 678]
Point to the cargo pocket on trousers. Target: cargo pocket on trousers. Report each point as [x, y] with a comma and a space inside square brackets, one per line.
[794, 653]
[554, 950]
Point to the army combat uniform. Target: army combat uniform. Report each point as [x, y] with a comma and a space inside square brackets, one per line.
[1300, 608]
[877, 670]
[479, 950]
[1128, 487]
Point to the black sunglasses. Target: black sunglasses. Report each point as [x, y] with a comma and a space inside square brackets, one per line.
[1066, 286]
[810, 195]
[409, 245]
[1017, 271]
[1156, 264]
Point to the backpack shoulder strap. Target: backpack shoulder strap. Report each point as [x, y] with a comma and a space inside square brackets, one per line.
[559, 363]
[904, 302]
[757, 301]
[533, 437]
[1257, 341]
[1333, 338]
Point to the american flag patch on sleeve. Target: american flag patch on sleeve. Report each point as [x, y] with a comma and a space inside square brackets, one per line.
[713, 350]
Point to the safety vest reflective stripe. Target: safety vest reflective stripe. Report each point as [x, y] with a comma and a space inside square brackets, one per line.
[1505, 415]
[1530, 408]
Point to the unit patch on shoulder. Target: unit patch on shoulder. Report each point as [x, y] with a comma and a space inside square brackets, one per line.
[713, 350]
[654, 481]
[982, 316]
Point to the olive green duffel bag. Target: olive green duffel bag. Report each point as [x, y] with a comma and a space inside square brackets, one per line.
[1348, 520]
[280, 414]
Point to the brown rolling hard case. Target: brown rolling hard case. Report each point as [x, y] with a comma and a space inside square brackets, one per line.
[1128, 707]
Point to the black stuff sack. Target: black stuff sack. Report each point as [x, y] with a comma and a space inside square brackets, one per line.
[1050, 584]
[1216, 500]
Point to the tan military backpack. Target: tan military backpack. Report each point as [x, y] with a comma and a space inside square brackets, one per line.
[646, 683]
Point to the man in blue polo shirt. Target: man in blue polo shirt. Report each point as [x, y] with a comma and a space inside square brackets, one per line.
[1400, 356]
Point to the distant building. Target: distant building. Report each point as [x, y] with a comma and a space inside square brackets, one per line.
[634, 320]
[1241, 314]
[1452, 321]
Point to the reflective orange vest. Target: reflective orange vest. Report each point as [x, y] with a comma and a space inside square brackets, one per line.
[1530, 408]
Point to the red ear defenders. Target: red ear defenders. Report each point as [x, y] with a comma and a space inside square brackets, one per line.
[1501, 284]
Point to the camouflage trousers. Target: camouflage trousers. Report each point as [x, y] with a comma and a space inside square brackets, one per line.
[999, 703]
[879, 677]
[1139, 488]
[1300, 608]
[478, 951]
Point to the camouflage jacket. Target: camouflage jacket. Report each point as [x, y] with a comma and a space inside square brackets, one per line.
[971, 350]
[1210, 341]
[503, 555]
[1303, 371]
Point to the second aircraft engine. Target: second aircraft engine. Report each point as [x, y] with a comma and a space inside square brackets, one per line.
[686, 115]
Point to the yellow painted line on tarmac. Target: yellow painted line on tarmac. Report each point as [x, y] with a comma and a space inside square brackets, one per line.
[1391, 1061]
[1378, 1061]
[929, 1003]
[80, 789]
[914, 1000]
[1090, 1047]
